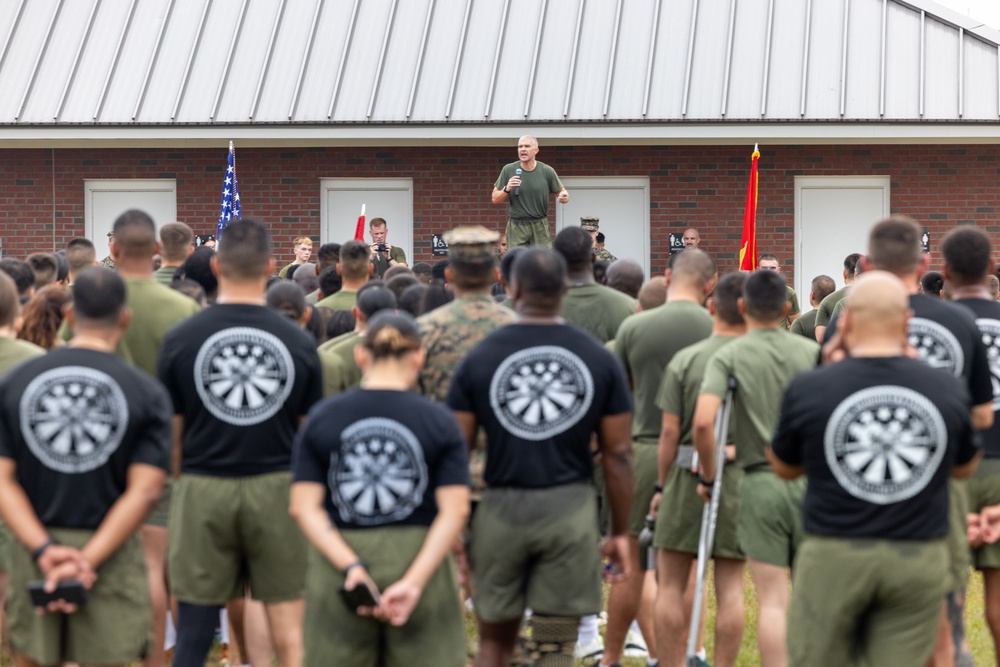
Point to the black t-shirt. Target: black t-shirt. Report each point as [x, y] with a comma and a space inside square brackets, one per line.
[878, 438]
[540, 391]
[987, 314]
[946, 337]
[381, 456]
[73, 421]
[241, 376]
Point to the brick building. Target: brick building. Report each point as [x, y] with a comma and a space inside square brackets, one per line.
[647, 109]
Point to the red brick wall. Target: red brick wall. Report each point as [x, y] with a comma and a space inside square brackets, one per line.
[700, 186]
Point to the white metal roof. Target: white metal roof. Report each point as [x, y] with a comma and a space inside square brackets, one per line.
[324, 66]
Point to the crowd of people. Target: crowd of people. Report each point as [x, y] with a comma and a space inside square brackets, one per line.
[349, 455]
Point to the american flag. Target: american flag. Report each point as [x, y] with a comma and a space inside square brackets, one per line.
[230, 196]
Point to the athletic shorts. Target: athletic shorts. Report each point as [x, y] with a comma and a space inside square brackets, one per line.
[898, 585]
[523, 232]
[959, 554]
[678, 522]
[770, 523]
[226, 532]
[161, 512]
[536, 548]
[983, 490]
[6, 540]
[434, 636]
[115, 627]
[645, 473]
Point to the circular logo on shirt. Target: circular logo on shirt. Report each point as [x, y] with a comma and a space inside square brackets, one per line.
[540, 392]
[378, 475]
[884, 444]
[937, 346]
[73, 418]
[243, 375]
[990, 330]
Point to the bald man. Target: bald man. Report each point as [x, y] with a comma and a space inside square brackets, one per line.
[877, 436]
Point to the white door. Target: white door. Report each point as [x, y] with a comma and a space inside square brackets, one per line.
[833, 216]
[106, 200]
[387, 198]
[622, 204]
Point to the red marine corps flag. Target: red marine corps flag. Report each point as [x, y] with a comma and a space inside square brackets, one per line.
[359, 229]
[748, 248]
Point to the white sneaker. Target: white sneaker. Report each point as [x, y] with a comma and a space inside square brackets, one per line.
[635, 646]
[593, 650]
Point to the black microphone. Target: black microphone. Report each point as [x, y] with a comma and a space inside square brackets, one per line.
[517, 188]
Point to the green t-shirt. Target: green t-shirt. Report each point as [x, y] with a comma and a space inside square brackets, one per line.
[342, 300]
[597, 308]
[805, 325]
[340, 373]
[836, 309]
[536, 185]
[381, 260]
[645, 344]
[312, 298]
[13, 352]
[793, 299]
[164, 275]
[678, 393]
[825, 311]
[764, 361]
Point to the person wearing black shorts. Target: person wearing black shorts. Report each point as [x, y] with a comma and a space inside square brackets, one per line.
[241, 377]
[877, 436]
[84, 453]
[541, 389]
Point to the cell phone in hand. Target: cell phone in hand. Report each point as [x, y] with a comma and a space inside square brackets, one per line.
[359, 596]
[70, 590]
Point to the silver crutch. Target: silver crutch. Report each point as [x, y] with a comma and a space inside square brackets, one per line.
[709, 515]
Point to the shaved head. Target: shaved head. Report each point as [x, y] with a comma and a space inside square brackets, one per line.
[877, 309]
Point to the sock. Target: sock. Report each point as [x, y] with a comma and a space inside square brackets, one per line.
[652, 663]
[195, 631]
[635, 628]
[587, 630]
[702, 654]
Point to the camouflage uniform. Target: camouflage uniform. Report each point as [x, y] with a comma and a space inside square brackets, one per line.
[449, 332]
[603, 255]
[109, 263]
[593, 224]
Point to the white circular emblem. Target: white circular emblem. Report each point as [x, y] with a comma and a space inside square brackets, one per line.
[73, 418]
[990, 330]
[937, 346]
[378, 475]
[243, 375]
[884, 444]
[540, 392]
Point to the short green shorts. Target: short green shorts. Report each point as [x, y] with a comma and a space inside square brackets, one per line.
[528, 233]
[770, 524]
[161, 512]
[983, 490]
[536, 548]
[645, 473]
[897, 585]
[114, 627]
[334, 635]
[678, 522]
[6, 540]
[959, 554]
[226, 532]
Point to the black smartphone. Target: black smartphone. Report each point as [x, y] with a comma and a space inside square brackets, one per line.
[70, 590]
[359, 596]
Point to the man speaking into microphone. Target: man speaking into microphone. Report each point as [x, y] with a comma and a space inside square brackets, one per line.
[526, 185]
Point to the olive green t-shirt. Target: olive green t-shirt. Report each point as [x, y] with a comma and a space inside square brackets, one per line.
[793, 299]
[645, 344]
[536, 185]
[14, 351]
[165, 275]
[825, 311]
[805, 325]
[342, 300]
[597, 308]
[340, 372]
[764, 361]
[678, 393]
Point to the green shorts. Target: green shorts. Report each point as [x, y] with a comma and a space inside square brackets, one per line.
[959, 554]
[770, 524]
[983, 490]
[115, 626]
[226, 532]
[897, 585]
[161, 512]
[6, 540]
[523, 232]
[536, 548]
[334, 635]
[645, 473]
[678, 523]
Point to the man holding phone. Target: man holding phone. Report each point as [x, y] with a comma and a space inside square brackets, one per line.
[84, 453]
